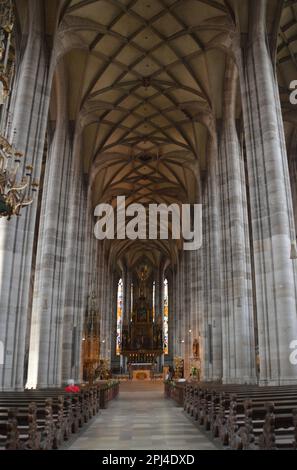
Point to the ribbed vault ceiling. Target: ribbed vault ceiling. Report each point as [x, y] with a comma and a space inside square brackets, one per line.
[145, 87]
[146, 80]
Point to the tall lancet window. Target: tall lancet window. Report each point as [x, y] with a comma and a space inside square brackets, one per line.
[165, 327]
[119, 316]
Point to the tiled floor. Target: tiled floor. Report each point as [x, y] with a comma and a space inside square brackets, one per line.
[141, 418]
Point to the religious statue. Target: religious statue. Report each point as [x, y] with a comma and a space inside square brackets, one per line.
[178, 367]
[196, 349]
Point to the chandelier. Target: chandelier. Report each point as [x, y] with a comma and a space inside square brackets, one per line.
[14, 194]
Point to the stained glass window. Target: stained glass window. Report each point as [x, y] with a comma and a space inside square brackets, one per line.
[166, 350]
[119, 316]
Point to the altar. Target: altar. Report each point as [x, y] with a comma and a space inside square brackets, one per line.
[141, 371]
[142, 332]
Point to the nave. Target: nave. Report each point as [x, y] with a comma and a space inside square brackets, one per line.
[130, 130]
[141, 419]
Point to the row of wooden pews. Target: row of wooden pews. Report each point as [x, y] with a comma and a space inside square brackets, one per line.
[245, 417]
[175, 391]
[44, 419]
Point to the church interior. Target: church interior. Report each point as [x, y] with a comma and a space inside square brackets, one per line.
[167, 103]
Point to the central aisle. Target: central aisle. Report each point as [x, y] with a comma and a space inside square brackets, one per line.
[142, 419]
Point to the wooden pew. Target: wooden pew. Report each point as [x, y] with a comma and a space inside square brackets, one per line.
[238, 415]
[9, 433]
[43, 419]
[52, 417]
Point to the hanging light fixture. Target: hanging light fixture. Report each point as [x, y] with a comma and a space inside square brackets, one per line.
[14, 193]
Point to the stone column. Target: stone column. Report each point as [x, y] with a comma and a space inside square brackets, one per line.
[110, 311]
[112, 334]
[237, 302]
[108, 319]
[271, 203]
[186, 312]
[85, 283]
[212, 261]
[174, 313]
[200, 329]
[29, 118]
[49, 290]
[181, 306]
[292, 158]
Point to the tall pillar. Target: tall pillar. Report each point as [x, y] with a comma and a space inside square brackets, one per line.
[237, 302]
[111, 308]
[212, 260]
[50, 276]
[85, 283]
[186, 312]
[292, 158]
[174, 313]
[181, 305]
[200, 329]
[271, 203]
[29, 118]
[108, 317]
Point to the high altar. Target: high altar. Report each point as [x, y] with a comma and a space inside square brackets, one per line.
[142, 338]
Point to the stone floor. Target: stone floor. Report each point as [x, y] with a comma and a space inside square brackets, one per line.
[141, 418]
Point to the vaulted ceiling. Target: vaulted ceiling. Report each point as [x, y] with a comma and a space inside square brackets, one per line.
[145, 88]
[145, 84]
[146, 80]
